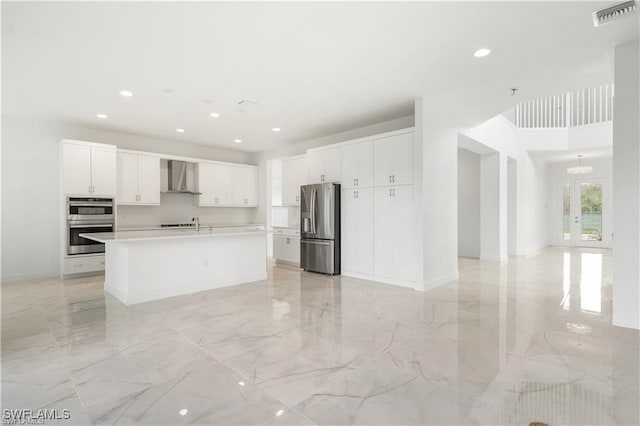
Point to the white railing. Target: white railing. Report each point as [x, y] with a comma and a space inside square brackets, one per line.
[588, 106]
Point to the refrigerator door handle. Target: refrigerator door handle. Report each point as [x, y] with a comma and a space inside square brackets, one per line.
[312, 207]
[317, 242]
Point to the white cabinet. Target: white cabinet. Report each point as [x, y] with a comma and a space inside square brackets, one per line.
[393, 224]
[138, 179]
[286, 246]
[83, 264]
[214, 183]
[294, 175]
[227, 185]
[88, 169]
[357, 165]
[356, 229]
[244, 186]
[324, 165]
[393, 160]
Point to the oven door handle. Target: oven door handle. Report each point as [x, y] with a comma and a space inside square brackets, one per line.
[108, 225]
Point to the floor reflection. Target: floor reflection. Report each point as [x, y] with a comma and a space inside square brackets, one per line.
[506, 344]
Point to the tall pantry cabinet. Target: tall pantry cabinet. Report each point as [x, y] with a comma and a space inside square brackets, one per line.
[377, 208]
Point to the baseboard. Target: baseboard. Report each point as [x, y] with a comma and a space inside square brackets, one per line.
[428, 285]
[494, 259]
[26, 276]
[376, 278]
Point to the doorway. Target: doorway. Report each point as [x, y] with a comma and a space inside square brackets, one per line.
[583, 215]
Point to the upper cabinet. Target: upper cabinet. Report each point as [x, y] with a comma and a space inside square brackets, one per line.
[357, 165]
[244, 186]
[138, 179]
[88, 169]
[294, 175]
[393, 160]
[227, 185]
[324, 165]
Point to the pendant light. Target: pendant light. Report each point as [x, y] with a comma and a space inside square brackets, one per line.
[579, 168]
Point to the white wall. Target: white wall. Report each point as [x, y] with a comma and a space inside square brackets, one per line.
[558, 177]
[468, 203]
[498, 134]
[626, 179]
[30, 188]
[439, 208]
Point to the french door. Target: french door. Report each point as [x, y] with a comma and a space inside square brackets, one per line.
[584, 217]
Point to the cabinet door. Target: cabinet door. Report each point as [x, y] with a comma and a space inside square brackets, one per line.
[349, 165]
[331, 164]
[206, 184]
[148, 180]
[238, 185]
[364, 230]
[364, 179]
[252, 186]
[290, 191]
[383, 238]
[383, 161]
[279, 247]
[77, 169]
[315, 166]
[127, 179]
[356, 230]
[294, 242]
[403, 159]
[223, 176]
[348, 230]
[402, 248]
[103, 171]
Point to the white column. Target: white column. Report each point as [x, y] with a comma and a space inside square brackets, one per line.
[439, 204]
[626, 187]
[493, 207]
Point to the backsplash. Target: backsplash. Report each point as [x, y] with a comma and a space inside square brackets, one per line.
[180, 208]
[285, 216]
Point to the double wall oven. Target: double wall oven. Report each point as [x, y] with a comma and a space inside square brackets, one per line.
[85, 216]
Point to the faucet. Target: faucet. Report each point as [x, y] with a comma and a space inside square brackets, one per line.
[196, 220]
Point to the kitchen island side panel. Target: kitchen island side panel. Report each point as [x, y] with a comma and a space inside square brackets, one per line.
[157, 269]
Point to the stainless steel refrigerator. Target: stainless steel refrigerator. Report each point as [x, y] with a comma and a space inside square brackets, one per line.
[320, 228]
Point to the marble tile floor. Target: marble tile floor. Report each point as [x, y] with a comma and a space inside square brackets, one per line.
[512, 344]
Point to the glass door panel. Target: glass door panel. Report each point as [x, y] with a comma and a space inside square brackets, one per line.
[591, 211]
[582, 213]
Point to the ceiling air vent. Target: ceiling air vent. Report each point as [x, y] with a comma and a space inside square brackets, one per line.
[604, 16]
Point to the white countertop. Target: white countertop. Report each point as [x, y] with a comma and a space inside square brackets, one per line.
[169, 233]
[202, 226]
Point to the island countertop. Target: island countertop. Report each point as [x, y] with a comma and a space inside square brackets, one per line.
[166, 234]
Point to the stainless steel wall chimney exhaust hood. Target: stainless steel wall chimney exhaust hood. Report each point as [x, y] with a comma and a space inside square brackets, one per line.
[178, 182]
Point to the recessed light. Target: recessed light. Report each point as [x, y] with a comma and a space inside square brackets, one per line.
[276, 129]
[183, 412]
[126, 93]
[214, 115]
[180, 130]
[279, 413]
[237, 140]
[241, 383]
[102, 116]
[481, 53]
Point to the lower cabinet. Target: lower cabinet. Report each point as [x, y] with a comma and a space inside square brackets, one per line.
[83, 264]
[356, 230]
[286, 249]
[393, 224]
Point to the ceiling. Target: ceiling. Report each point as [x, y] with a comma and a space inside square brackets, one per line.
[312, 69]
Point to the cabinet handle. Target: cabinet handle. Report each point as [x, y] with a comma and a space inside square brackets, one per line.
[393, 178]
[358, 181]
[394, 192]
[389, 178]
[288, 241]
[354, 182]
[390, 193]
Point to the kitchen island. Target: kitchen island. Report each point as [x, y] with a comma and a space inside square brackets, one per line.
[146, 265]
